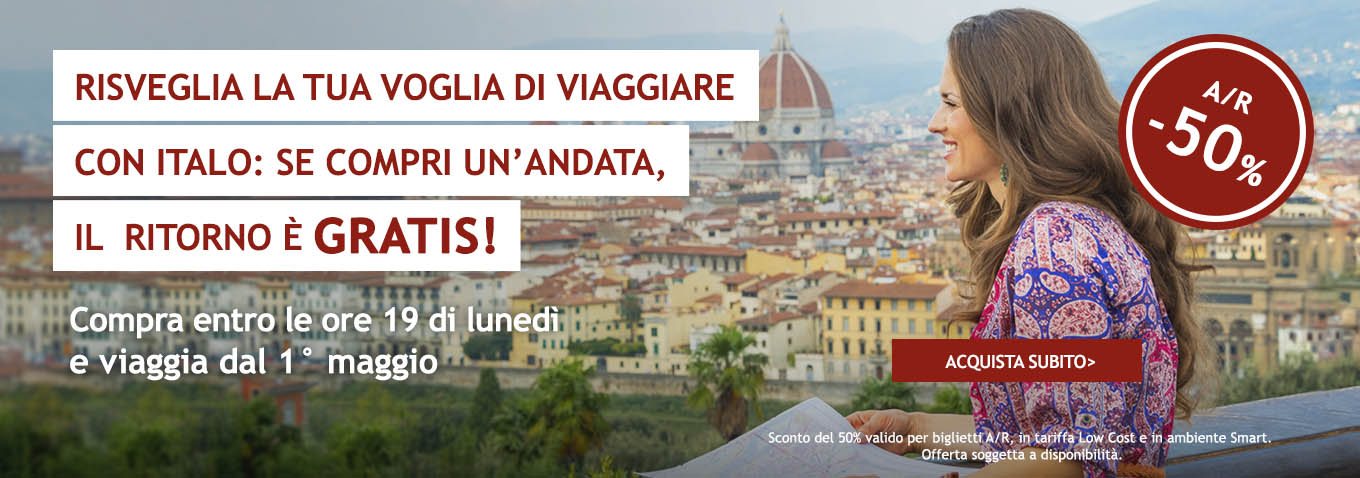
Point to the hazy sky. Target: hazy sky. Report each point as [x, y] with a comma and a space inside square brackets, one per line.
[35, 27]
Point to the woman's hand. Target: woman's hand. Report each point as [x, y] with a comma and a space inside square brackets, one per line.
[893, 422]
[923, 425]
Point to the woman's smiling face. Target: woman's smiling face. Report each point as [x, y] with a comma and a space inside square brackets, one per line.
[967, 157]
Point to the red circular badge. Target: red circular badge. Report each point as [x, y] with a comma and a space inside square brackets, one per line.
[1216, 131]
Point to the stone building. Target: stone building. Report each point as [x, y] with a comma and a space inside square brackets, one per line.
[1292, 299]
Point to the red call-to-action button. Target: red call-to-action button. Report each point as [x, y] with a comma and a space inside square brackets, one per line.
[1017, 360]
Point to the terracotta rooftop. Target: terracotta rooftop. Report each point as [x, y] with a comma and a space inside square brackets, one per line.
[540, 291]
[738, 278]
[24, 186]
[788, 81]
[695, 250]
[895, 290]
[818, 274]
[835, 149]
[767, 282]
[771, 319]
[758, 152]
[830, 216]
[710, 135]
[770, 240]
[864, 261]
[487, 275]
[549, 259]
[576, 300]
[549, 238]
[669, 203]
[385, 281]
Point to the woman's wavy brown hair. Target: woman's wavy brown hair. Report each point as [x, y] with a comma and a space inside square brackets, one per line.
[1035, 94]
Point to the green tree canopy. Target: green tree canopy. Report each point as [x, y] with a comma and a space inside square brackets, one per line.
[951, 400]
[488, 346]
[368, 443]
[563, 413]
[1297, 373]
[884, 394]
[729, 378]
[630, 308]
[151, 438]
[262, 436]
[486, 403]
[607, 346]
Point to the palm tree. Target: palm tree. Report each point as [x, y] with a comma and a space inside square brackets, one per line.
[884, 394]
[630, 308]
[565, 413]
[729, 380]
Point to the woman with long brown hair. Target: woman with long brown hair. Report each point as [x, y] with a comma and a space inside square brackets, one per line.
[1062, 246]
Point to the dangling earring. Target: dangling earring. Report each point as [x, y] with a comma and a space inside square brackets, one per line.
[1005, 179]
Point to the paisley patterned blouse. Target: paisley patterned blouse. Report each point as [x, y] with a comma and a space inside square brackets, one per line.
[1072, 271]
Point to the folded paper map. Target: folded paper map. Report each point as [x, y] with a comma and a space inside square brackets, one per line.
[808, 440]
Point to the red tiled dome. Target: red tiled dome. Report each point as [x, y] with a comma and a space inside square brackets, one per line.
[787, 81]
[758, 152]
[835, 149]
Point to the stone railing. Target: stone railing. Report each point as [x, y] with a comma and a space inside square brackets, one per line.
[1313, 434]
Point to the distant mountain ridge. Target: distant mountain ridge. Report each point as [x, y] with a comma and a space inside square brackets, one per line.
[825, 49]
[1125, 41]
[867, 67]
[1277, 24]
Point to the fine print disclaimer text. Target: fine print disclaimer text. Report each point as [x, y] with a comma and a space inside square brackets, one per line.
[1005, 446]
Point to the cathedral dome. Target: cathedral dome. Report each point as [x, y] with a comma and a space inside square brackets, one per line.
[835, 149]
[758, 152]
[787, 81]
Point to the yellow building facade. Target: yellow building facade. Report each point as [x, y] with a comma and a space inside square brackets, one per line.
[581, 318]
[770, 263]
[860, 319]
